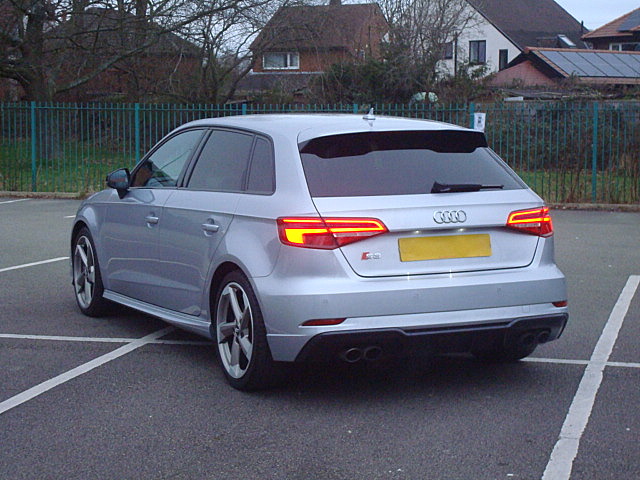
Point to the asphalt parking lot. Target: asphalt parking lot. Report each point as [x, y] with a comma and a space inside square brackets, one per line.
[127, 397]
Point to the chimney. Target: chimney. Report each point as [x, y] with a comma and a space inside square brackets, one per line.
[335, 3]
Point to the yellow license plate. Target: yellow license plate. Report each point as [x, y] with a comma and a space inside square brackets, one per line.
[449, 246]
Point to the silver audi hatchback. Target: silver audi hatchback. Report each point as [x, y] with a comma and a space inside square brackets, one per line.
[288, 238]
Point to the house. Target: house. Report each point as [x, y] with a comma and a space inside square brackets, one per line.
[123, 55]
[504, 29]
[622, 34]
[300, 42]
[550, 67]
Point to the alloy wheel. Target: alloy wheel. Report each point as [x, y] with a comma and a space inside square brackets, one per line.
[84, 271]
[234, 329]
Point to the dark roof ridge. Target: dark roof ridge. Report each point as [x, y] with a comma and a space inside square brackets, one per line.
[598, 31]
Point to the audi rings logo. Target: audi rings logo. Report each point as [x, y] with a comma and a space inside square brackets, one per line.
[450, 216]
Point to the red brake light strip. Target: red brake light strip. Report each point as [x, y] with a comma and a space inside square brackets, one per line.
[327, 233]
[536, 221]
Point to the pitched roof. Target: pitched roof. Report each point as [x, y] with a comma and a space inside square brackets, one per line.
[527, 23]
[623, 26]
[319, 27]
[591, 66]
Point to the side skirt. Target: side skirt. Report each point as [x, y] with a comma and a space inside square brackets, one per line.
[181, 320]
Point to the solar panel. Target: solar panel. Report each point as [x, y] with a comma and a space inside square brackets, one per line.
[595, 64]
[609, 65]
[561, 61]
[588, 64]
[618, 65]
[631, 22]
[633, 62]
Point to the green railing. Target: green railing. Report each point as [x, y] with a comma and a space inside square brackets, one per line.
[567, 152]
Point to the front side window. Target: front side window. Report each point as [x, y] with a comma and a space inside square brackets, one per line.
[163, 167]
[400, 163]
[281, 60]
[478, 52]
[223, 162]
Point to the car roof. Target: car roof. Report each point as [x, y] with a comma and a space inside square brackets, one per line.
[305, 126]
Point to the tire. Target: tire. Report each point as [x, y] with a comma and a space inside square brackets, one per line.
[240, 335]
[87, 281]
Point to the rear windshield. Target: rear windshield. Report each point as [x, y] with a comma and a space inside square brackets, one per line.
[400, 163]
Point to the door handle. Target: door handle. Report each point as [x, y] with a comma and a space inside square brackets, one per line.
[151, 219]
[210, 227]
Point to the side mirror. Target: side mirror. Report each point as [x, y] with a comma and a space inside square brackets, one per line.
[120, 180]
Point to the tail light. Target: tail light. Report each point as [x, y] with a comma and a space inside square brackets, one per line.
[327, 233]
[535, 221]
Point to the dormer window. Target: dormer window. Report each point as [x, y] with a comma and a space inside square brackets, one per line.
[565, 42]
[281, 61]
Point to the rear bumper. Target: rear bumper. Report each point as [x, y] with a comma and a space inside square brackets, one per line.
[427, 341]
[455, 303]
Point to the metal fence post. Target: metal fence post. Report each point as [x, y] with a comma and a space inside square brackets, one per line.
[594, 155]
[472, 113]
[244, 109]
[136, 121]
[34, 150]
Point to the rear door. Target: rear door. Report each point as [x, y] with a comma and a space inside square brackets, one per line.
[393, 177]
[196, 218]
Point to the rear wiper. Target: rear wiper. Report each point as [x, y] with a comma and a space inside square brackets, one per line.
[462, 187]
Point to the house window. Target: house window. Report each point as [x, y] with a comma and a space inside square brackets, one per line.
[447, 51]
[503, 59]
[477, 52]
[625, 47]
[447, 54]
[281, 60]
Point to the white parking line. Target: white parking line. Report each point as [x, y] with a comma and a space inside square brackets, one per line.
[58, 338]
[76, 372]
[566, 448]
[34, 264]
[15, 201]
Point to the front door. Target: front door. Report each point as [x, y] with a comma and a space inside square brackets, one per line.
[130, 232]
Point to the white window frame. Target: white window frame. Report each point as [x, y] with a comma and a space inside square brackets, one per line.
[619, 47]
[292, 61]
[478, 61]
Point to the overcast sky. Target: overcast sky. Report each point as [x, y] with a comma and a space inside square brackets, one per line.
[596, 13]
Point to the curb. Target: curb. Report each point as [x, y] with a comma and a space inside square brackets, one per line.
[598, 207]
[47, 195]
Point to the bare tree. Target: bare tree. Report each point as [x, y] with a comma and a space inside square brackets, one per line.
[420, 32]
[224, 43]
[53, 46]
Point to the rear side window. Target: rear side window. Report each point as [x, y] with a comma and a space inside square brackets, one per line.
[262, 174]
[400, 163]
[223, 162]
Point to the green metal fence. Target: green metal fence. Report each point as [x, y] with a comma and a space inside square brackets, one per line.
[567, 152]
